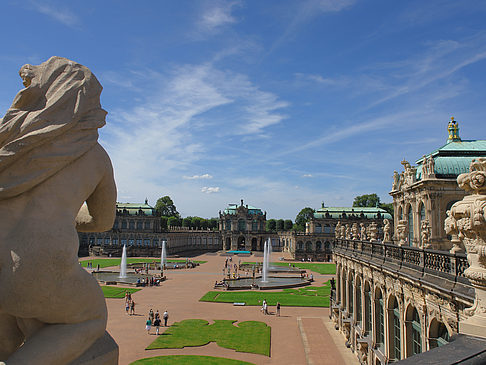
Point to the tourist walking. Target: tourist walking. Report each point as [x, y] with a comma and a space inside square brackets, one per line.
[148, 325]
[132, 307]
[151, 315]
[166, 317]
[157, 325]
[127, 306]
[157, 314]
[278, 309]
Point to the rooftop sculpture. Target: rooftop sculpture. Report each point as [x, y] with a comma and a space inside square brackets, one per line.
[51, 310]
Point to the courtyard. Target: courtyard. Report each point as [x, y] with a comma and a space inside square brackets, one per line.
[300, 335]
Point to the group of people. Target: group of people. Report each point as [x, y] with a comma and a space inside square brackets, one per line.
[154, 320]
[129, 303]
[264, 308]
[148, 281]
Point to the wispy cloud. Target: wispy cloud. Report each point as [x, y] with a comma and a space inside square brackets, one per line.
[307, 175]
[306, 11]
[58, 13]
[198, 177]
[210, 190]
[215, 16]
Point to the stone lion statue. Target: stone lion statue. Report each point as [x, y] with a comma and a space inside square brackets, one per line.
[51, 310]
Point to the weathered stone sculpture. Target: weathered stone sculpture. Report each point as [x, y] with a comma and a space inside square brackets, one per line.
[373, 231]
[425, 231]
[467, 218]
[386, 230]
[51, 310]
[363, 232]
[355, 231]
[348, 232]
[337, 230]
[402, 229]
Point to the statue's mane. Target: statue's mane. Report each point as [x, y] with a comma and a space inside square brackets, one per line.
[51, 122]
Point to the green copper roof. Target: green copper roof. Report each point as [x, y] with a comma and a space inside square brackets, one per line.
[358, 212]
[133, 208]
[251, 210]
[454, 158]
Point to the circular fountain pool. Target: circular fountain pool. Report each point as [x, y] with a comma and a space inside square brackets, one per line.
[272, 282]
[114, 277]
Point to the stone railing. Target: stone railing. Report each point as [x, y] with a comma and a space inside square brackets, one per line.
[424, 260]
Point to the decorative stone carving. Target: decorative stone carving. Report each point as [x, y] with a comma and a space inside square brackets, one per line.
[363, 232]
[386, 230]
[425, 232]
[348, 232]
[402, 229]
[52, 311]
[408, 175]
[355, 231]
[396, 181]
[337, 230]
[363, 352]
[373, 231]
[468, 218]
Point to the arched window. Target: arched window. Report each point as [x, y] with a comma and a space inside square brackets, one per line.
[379, 318]
[228, 225]
[308, 246]
[350, 293]
[300, 246]
[359, 311]
[438, 334]
[400, 213]
[410, 225]
[394, 328]
[338, 285]
[254, 225]
[318, 246]
[413, 331]
[318, 228]
[124, 224]
[343, 286]
[131, 225]
[241, 225]
[327, 228]
[367, 308]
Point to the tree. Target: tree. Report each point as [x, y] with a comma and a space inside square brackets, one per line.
[302, 218]
[196, 222]
[271, 225]
[174, 222]
[288, 224]
[367, 200]
[280, 225]
[163, 223]
[388, 207]
[186, 222]
[165, 207]
[213, 223]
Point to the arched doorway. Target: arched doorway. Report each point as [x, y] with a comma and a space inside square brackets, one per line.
[253, 244]
[227, 246]
[241, 243]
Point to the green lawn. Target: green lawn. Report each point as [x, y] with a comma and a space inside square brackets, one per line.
[114, 292]
[309, 296]
[130, 260]
[189, 360]
[248, 336]
[321, 268]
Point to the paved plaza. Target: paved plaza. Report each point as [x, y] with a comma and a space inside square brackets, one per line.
[301, 335]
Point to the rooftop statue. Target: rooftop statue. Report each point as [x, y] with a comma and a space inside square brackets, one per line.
[51, 310]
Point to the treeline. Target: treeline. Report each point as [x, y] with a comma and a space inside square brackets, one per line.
[274, 225]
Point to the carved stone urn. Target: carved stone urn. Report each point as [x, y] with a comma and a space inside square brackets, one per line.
[467, 221]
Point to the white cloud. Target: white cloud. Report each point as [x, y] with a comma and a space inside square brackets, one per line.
[210, 190]
[216, 16]
[307, 175]
[57, 13]
[196, 177]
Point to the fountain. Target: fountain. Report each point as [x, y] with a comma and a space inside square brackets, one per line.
[266, 259]
[123, 264]
[163, 256]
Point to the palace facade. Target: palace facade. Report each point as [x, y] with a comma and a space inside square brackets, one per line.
[418, 288]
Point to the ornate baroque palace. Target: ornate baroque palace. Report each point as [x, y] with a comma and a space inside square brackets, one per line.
[422, 285]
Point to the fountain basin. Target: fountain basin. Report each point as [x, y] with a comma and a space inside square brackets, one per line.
[272, 282]
[113, 277]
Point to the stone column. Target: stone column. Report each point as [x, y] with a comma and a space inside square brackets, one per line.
[467, 220]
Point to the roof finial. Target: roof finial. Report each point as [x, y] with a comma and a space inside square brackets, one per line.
[453, 129]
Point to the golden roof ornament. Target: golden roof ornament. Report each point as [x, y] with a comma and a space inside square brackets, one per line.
[453, 129]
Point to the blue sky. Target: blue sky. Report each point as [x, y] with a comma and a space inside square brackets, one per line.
[284, 104]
